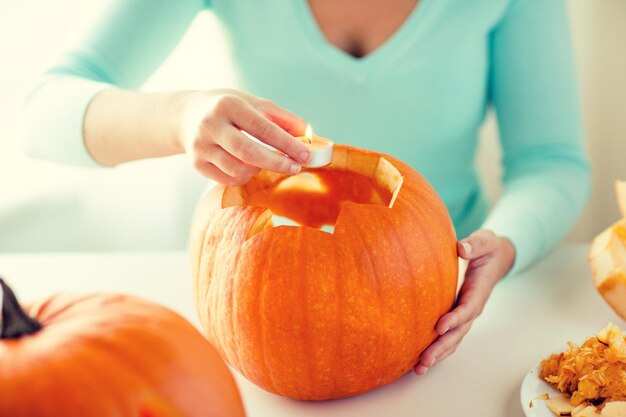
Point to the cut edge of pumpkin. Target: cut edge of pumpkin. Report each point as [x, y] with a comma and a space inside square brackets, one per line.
[389, 177]
[620, 194]
[371, 165]
[607, 256]
[232, 197]
[607, 260]
[613, 290]
[263, 222]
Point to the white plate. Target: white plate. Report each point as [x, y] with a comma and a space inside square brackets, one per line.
[532, 387]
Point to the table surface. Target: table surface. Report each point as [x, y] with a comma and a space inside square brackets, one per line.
[528, 316]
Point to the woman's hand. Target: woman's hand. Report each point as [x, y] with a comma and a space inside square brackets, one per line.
[211, 133]
[490, 258]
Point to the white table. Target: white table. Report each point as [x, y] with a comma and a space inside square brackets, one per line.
[528, 316]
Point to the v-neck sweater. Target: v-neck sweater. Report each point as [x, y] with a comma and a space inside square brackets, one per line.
[421, 96]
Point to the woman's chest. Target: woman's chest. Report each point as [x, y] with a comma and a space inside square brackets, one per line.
[358, 27]
[441, 48]
[298, 31]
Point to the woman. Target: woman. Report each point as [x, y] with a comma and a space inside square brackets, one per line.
[413, 80]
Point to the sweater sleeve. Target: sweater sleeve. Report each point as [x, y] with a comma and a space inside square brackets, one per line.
[534, 91]
[127, 44]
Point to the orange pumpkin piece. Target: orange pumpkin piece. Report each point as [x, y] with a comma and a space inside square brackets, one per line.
[105, 355]
[620, 192]
[314, 315]
[607, 259]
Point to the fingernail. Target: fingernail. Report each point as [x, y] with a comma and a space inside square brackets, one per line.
[295, 168]
[444, 331]
[467, 247]
[432, 362]
[305, 156]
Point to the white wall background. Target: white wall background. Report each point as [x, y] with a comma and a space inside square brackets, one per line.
[139, 206]
[44, 206]
[600, 38]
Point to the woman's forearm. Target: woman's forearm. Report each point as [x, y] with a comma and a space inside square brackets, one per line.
[122, 126]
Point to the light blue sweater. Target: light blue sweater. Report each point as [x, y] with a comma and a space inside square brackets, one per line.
[421, 96]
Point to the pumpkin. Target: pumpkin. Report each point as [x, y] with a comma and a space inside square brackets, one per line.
[104, 355]
[607, 259]
[314, 315]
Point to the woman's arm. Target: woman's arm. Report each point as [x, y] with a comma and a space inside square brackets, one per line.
[85, 112]
[122, 126]
[533, 89]
[535, 94]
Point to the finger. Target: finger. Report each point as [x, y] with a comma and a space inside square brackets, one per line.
[248, 119]
[472, 297]
[209, 170]
[231, 165]
[246, 150]
[478, 244]
[446, 354]
[420, 369]
[288, 121]
[442, 345]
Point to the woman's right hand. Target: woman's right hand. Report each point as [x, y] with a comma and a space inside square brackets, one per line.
[211, 132]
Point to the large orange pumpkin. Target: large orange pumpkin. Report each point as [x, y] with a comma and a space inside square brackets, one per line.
[106, 355]
[315, 315]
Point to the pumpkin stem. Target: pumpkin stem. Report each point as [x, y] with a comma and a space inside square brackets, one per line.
[14, 322]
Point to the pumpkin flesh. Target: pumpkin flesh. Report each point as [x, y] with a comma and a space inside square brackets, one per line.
[608, 266]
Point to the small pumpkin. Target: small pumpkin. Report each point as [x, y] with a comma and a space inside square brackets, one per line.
[105, 355]
[607, 258]
[314, 315]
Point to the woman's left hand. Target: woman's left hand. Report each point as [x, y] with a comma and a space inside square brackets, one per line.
[490, 258]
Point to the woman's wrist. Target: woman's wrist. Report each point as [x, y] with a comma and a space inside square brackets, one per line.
[507, 255]
[187, 109]
[172, 106]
